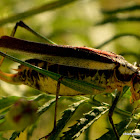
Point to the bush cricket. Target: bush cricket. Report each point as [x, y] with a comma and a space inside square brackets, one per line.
[70, 70]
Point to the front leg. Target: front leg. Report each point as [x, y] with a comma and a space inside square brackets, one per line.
[55, 115]
[110, 114]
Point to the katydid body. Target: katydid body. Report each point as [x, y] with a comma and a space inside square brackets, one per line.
[105, 69]
[79, 70]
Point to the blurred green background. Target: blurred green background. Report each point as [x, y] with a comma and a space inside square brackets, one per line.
[74, 23]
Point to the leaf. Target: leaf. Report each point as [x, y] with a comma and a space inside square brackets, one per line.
[84, 123]
[121, 127]
[2, 138]
[65, 118]
[136, 131]
[119, 19]
[7, 101]
[20, 115]
[41, 110]
[117, 37]
[2, 119]
[31, 130]
[81, 86]
[122, 9]
[125, 89]
[37, 10]
[77, 85]
[45, 107]
[37, 97]
[14, 135]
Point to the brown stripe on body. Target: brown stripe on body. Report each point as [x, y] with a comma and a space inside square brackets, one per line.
[87, 53]
[71, 72]
[125, 71]
[123, 77]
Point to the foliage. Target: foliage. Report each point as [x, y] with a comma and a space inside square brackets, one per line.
[71, 22]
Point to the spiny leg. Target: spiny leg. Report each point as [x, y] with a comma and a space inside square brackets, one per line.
[23, 25]
[56, 102]
[55, 115]
[110, 114]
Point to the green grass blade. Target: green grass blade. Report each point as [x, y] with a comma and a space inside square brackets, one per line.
[119, 19]
[77, 85]
[117, 37]
[37, 10]
[81, 86]
[122, 9]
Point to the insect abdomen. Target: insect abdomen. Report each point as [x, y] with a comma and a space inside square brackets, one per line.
[109, 79]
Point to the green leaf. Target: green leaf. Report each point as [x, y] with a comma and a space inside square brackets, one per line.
[14, 135]
[117, 37]
[41, 110]
[7, 101]
[65, 118]
[45, 107]
[121, 127]
[37, 97]
[84, 123]
[136, 131]
[2, 119]
[37, 10]
[31, 130]
[126, 92]
[81, 86]
[77, 85]
[122, 9]
[119, 19]
[2, 138]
